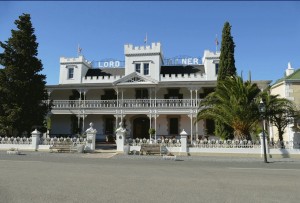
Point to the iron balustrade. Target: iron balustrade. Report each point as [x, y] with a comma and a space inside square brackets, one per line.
[125, 103]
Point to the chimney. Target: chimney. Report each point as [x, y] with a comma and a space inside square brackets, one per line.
[289, 70]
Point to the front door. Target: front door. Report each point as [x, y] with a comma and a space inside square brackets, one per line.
[141, 127]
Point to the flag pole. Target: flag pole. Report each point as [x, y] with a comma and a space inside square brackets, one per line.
[217, 43]
[146, 39]
[78, 47]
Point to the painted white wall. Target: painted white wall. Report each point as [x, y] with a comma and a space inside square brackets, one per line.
[80, 65]
[144, 54]
[209, 60]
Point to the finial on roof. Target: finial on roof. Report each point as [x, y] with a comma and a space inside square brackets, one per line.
[289, 65]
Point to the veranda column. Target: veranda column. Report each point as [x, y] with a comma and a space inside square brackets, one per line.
[150, 120]
[116, 116]
[191, 117]
[191, 91]
[84, 94]
[196, 101]
[122, 98]
[155, 117]
[117, 91]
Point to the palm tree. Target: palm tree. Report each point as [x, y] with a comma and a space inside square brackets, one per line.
[279, 111]
[233, 103]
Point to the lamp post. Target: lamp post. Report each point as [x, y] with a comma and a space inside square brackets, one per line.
[262, 110]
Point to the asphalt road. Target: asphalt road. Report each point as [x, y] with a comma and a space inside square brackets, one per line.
[52, 177]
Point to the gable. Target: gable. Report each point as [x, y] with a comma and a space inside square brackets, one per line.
[134, 78]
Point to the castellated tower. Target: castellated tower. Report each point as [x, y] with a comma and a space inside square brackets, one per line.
[145, 60]
[210, 61]
[72, 70]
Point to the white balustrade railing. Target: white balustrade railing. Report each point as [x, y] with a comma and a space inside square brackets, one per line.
[125, 103]
[164, 142]
[15, 140]
[62, 140]
[204, 143]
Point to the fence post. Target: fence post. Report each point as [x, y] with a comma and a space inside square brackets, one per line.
[91, 138]
[35, 139]
[183, 140]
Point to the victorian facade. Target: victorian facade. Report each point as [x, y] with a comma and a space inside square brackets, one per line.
[144, 91]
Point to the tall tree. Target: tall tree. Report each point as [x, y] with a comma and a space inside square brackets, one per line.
[227, 61]
[233, 103]
[226, 68]
[22, 86]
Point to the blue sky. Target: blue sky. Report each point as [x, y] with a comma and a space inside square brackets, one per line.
[266, 34]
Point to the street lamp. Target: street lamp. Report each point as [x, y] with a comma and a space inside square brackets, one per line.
[262, 110]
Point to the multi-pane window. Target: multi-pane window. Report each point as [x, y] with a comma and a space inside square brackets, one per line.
[217, 68]
[146, 68]
[70, 73]
[138, 67]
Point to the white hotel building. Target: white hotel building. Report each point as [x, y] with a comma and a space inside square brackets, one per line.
[144, 91]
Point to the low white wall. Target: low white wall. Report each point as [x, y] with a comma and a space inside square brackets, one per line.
[284, 151]
[225, 150]
[44, 147]
[16, 146]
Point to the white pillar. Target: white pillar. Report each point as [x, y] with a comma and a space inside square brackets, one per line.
[183, 140]
[91, 138]
[122, 98]
[35, 139]
[191, 91]
[196, 98]
[191, 117]
[120, 135]
[155, 127]
[116, 116]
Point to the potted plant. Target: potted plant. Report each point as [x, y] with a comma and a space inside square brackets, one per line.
[151, 132]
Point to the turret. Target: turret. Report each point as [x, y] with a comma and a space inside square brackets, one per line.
[145, 60]
[72, 70]
[210, 61]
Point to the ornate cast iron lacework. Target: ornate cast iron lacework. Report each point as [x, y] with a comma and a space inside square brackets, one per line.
[135, 79]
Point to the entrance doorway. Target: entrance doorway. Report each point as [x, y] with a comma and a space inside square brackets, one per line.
[141, 127]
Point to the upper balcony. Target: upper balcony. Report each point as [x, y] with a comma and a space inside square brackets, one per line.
[132, 105]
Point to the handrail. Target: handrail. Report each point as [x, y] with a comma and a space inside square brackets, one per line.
[125, 103]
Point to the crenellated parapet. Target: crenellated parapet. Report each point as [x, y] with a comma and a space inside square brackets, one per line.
[155, 48]
[101, 79]
[75, 60]
[183, 77]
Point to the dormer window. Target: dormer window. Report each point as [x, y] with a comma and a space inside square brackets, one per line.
[138, 67]
[146, 68]
[71, 73]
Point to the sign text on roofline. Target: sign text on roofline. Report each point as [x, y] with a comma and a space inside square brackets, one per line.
[108, 64]
[176, 61]
[182, 61]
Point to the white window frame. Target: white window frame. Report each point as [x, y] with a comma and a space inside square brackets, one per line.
[69, 71]
[147, 69]
[138, 64]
